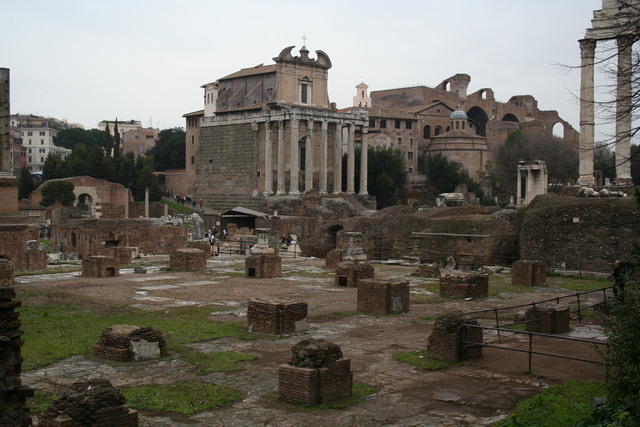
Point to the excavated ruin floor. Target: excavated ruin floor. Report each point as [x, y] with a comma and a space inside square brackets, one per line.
[478, 392]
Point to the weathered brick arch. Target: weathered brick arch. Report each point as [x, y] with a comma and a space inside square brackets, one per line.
[479, 117]
[510, 117]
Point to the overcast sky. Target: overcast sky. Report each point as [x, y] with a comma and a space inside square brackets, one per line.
[92, 60]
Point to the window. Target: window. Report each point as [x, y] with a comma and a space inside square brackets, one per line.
[42, 159]
[29, 142]
[399, 142]
[438, 130]
[411, 142]
[426, 132]
[42, 133]
[409, 124]
[29, 133]
[363, 94]
[258, 174]
[193, 160]
[42, 142]
[192, 139]
[397, 124]
[372, 123]
[410, 155]
[462, 125]
[304, 93]
[42, 150]
[410, 170]
[383, 123]
[29, 159]
[29, 150]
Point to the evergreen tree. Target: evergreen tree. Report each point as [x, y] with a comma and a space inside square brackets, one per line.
[108, 147]
[25, 184]
[58, 192]
[116, 140]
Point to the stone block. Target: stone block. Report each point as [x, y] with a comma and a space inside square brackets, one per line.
[125, 343]
[276, 316]
[548, 318]
[121, 254]
[100, 266]
[140, 269]
[467, 285]
[333, 258]
[427, 270]
[6, 273]
[349, 273]
[450, 338]
[203, 245]
[263, 266]
[383, 296]
[187, 259]
[528, 273]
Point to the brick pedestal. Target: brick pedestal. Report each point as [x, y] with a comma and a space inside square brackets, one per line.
[333, 258]
[309, 386]
[528, 273]
[263, 266]
[464, 286]
[90, 403]
[118, 342]
[100, 266]
[275, 316]
[427, 270]
[447, 339]
[31, 259]
[349, 273]
[121, 254]
[203, 245]
[187, 259]
[548, 319]
[13, 395]
[383, 296]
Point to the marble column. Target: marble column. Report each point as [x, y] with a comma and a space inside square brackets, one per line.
[623, 111]
[351, 160]
[587, 140]
[280, 172]
[364, 158]
[323, 158]
[294, 187]
[337, 155]
[529, 187]
[268, 160]
[519, 189]
[6, 161]
[308, 158]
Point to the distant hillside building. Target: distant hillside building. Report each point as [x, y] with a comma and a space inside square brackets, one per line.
[37, 135]
[139, 141]
[122, 126]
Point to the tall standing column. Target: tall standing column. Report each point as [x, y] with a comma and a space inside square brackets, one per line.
[337, 156]
[294, 187]
[364, 158]
[529, 188]
[6, 162]
[587, 141]
[323, 158]
[351, 160]
[268, 159]
[308, 158]
[519, 189]
[623, 111]
[280, 172]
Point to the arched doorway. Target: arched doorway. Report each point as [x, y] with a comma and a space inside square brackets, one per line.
[85, 204]
[479, 118]
[510, 118]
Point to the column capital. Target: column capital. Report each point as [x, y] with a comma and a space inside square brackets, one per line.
[324, 125]
[624, 40]
[587, 47]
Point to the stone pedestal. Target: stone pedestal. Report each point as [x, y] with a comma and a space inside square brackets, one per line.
[447, 340]
[203, 245]
[427, 270]
[100, 266]
[548, 319]
[263, 266]
[528, 273]
[126, 343]
[333, 258]
[8, 195]
[349, 273]
[187, 259]
[275, 316]
[6, 273]
[463, 286]
[121, 254]
[32, 259]
[383, 296]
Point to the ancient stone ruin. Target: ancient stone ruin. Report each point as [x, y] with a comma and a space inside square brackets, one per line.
[528, 273]
[121, 254]
[126, 343]
[427, 271]
[383, 296]
[548, 318]
[203, 245]
[464, 285]
[263, 261]
[187, 259]
[349, 273]
[276, 316]
[348, 248]
[100, 266]
[94, 403]
[447, 340]
[317, 373]
[13, 395]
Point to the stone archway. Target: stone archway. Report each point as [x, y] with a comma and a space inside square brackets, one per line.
[479, 118]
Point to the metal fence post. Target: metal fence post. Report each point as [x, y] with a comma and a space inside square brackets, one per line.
[530, 349]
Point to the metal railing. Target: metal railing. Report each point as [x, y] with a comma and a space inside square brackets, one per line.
[530, 350]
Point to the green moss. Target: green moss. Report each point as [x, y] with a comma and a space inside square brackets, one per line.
[562, 405]
[185, 398]
[54, 270]
[40, 402]
[219, 361]
[178, 208]
[578, 284]
[421, 359]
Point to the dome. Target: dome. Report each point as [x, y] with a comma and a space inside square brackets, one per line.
[458, 114]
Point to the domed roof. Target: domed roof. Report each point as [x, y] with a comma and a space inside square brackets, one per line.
[458, 114]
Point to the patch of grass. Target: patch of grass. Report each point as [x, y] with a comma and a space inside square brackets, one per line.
[427, 299]
[219, 361]
[55, 331]
[561, 405]
[358, 393]
[336, 316]
[421, 359]
[178, 208]
[185, 398]
[46, 245]
[578, 284]
[40, 402]
[67, 269]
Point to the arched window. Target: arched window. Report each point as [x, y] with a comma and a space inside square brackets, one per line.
[438, 130]
[457, 124]
[426, 132]
[558, 130]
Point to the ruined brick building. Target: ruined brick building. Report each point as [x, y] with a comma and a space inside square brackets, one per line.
[270, 131]
[467, 128]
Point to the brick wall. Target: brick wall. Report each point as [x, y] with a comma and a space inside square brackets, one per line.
[466, 285]
[447, 340]
[263, 266]
[275, 316]
[187, 259]
[8, 196]
[349, 273]
[528, 273]
[309, 386]
[383, 296]
[100, 266]
[548, 319]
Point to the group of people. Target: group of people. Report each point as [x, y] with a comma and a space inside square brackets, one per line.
[45, 232]
[184, 200]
